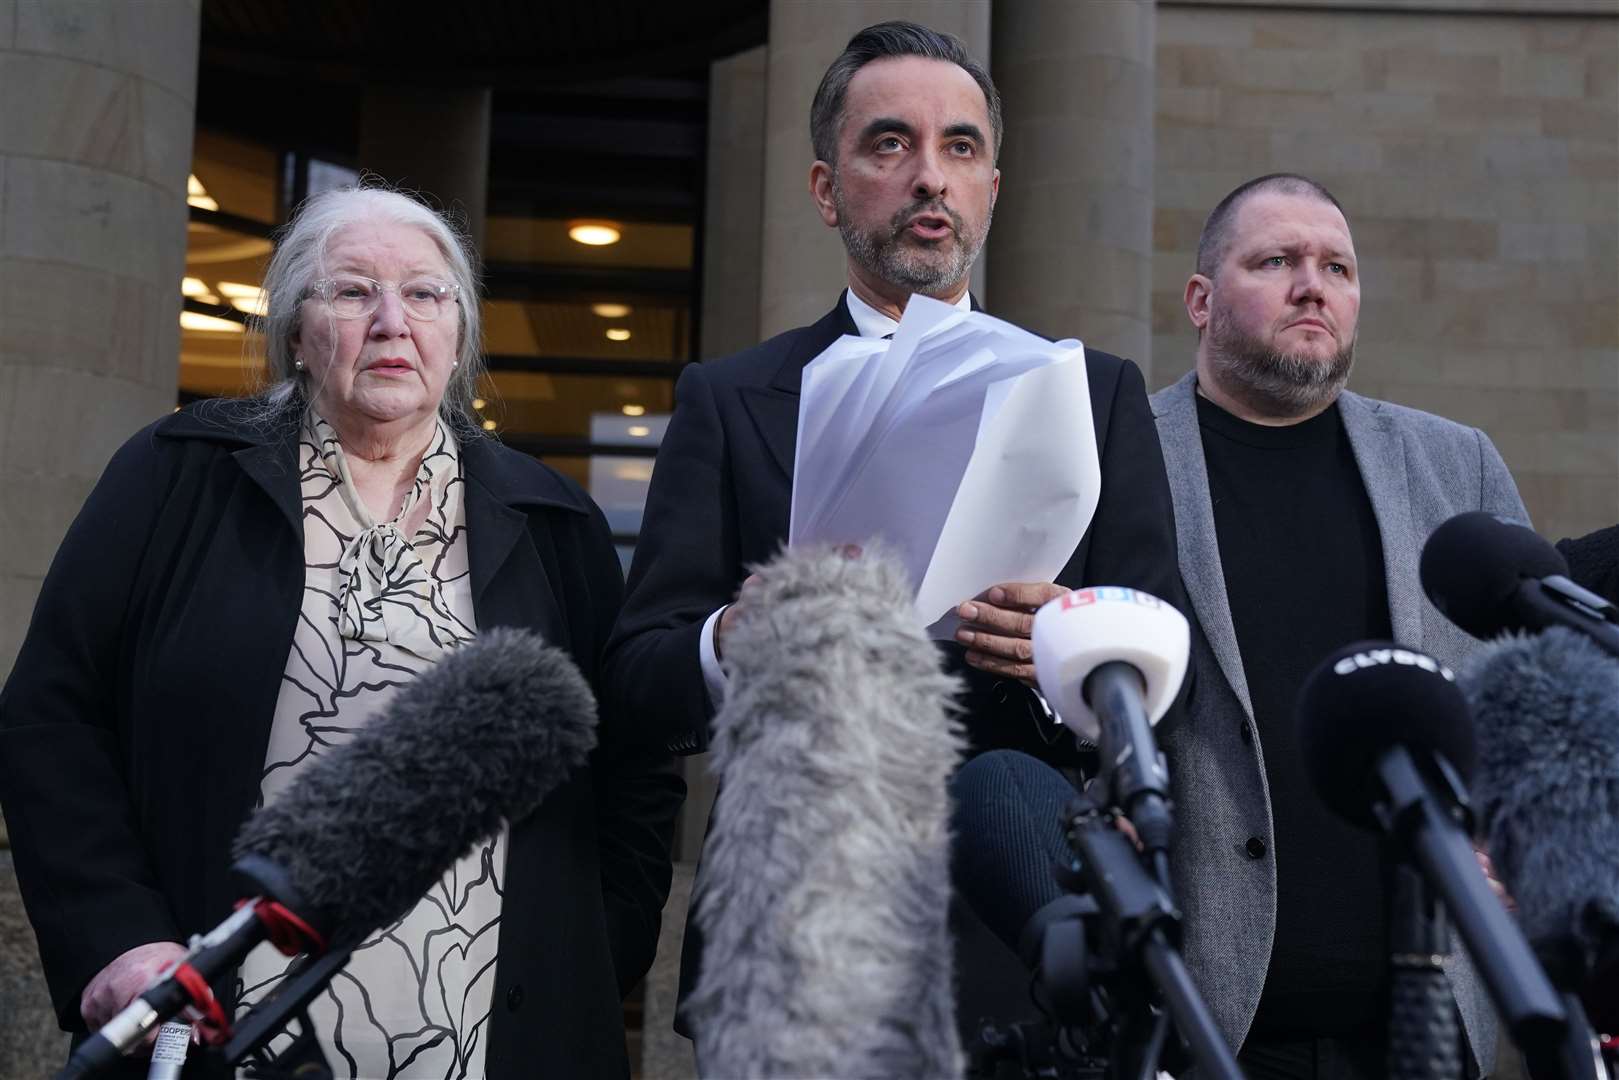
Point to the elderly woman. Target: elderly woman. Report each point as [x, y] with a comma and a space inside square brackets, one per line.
[247, 584]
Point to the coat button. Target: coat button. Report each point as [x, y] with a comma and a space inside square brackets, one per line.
[1246, 732]
[514, 997]
[1255, 848]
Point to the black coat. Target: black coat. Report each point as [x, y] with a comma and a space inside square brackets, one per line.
[135, 723]
[720, 502]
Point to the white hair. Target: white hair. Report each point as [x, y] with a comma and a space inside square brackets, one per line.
[300, 260]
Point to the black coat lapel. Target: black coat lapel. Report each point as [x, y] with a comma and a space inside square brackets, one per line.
[774, 409]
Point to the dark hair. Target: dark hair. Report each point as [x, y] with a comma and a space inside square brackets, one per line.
[879, 42]
[1216, 239]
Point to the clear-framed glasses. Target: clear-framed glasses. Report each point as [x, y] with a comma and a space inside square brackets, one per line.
[351, 296]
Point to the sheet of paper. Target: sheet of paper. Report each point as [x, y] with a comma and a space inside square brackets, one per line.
[965, 444]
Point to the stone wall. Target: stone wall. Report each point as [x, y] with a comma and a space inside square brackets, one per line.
[1478, 156]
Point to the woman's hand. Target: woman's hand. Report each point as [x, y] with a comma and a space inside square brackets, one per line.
[121, 981]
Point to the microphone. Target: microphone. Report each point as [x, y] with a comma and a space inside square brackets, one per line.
[1386, 740]
[1547, 711]
[481, 737]
[1490, 575]
[1110, 661]
[824, 892]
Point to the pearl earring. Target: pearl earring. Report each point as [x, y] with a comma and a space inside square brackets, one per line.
[298, 363]
[454, 364]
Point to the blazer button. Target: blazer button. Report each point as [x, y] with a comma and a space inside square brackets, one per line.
[1255, 848]
[1246, 732]
[514, 997]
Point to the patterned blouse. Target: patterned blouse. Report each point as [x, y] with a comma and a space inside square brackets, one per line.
[381, 601]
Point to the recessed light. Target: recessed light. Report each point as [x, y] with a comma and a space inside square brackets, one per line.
[237, 291]
[191, 320]
[634, 410]
[197, 195]
[594, 233]
[618, 333]
[638, 431]
[478, 403]
[610, 311]
[191, 286]
[489, 425]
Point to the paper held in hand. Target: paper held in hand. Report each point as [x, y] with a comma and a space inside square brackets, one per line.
[965, 444]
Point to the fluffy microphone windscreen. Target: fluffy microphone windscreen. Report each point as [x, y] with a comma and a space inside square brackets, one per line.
[1547, 711]
[478, 739]
[825, 888]
[1472, 564]
[1363, 700]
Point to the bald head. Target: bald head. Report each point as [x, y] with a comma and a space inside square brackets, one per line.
[1219, 229]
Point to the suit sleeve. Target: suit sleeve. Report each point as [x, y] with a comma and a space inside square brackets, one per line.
[80, 856]
[1132, 536]
[638, 793]
[686, 565]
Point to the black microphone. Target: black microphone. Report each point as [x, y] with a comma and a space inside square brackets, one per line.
[358, 837]
[1490, 575]
[1547, 712]
[1387, 742]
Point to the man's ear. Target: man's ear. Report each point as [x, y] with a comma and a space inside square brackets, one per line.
[821, 183]
[994, 188]
[1198, 291]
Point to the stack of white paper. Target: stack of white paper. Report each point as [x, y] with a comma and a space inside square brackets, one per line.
[965, 444]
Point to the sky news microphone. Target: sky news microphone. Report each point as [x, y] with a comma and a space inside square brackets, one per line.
[1547, 712]
[361, 834]
[825, 885]
[1110, 661]
[1388, 743]
[1490, 575]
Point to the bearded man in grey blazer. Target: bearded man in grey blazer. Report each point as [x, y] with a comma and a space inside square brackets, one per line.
[1301, 509]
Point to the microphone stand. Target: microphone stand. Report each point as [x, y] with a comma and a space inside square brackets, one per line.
[1424, 1043]
[1138, 922]
[289, 1002]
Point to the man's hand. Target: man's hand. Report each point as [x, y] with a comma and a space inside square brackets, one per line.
[121, 981]
[997, 624]
[728, 617]
[1496, 887]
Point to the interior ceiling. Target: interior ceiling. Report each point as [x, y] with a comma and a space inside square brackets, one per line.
[599, 107]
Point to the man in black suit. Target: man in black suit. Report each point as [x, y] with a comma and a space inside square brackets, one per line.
[906, 128]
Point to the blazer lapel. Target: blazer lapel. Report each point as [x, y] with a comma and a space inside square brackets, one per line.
[1199, 548]
[774, 408]
[1380, 454]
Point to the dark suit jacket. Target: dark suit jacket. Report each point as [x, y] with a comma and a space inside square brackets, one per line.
[719, 503]
[134, 726]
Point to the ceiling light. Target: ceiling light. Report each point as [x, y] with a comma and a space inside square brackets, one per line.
[634, 410]
[489, 425]
[618, 333]
[197, 195]
[478, 403]
[237, 291]
[610, 311]
[194, 186]
[638, 431]
[191, 320]
[192, 287]
[594, 233]
[634, 471]
[253, 305]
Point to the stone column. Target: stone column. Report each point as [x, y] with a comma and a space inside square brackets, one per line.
[1072, 251]
[733, 203]
[95, 145]
[434, 140]
[802, 260]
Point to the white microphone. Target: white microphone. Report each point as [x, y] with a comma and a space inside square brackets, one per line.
[1110, 661]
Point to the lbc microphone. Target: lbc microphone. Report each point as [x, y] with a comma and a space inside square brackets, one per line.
[1110, 661]
[363, 832]
[1547, 712]
[1490, 575]
[1388, 743]
[825, 884]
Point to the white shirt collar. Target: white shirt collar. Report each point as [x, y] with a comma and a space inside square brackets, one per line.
[872, 323]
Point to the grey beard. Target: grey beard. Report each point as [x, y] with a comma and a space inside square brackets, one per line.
[1279, 384]
[883, 252]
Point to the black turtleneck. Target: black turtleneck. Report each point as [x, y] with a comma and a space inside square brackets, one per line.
[1303, 564]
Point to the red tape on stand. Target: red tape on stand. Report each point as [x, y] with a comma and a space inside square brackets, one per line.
[287, 931]
[215, 1027]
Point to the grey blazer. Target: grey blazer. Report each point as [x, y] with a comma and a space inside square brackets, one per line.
[1419, 470]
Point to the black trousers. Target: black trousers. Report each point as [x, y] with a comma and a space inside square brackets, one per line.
[1355, 1057]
